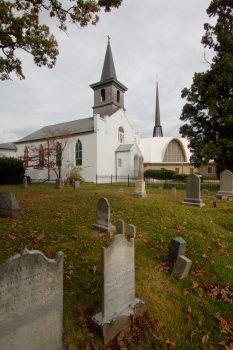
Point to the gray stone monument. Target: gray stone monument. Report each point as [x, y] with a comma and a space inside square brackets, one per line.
[9, 206]
[77, 184]
[226, 184]
[59, 183]
[182, 267]
[118, 300]
[193, 196]
[131, 231]
[31, 302]
[177, 247]
[120, 227]
[173, 188]
[140, 187]
[204, 193]
[25, 182]
[103, 216]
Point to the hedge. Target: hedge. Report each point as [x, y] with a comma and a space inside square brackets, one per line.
[11, 170]
[159, 174]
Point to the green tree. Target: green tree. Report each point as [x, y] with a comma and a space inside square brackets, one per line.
[20, 28]
[209, 108]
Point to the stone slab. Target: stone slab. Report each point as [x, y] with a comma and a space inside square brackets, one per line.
[140, 188]
[9, 206]
[196, 203]
[182, 267]
[177, 247]
[31, 302]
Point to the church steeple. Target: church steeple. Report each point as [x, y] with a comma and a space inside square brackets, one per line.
[108, 71]
[158, 131]
[108, 92]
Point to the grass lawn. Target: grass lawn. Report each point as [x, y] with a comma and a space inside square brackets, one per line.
[195, 313]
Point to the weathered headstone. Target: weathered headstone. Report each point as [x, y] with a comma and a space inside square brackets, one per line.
[177, 247]
[76, 184]
[25, 182]
[31, 302]
[140, 187]
[226, 184]
[131, 231]
[193, 196]
[204, 193]
[173, 189]
[9, 206]
[118, 300]
[59, 183]
[182, 267]
[120, 227]
[103, 216]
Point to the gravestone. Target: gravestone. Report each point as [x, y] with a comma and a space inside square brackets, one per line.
[103, 216]
[31, 302]
[193, 196]
[173, 189]
[204, 193]
[167, 184]
[177, 247]
[76, 184]
[226, 184]
[131, 231]
[25, 182]
[140, 186]
[59, 183]
[118, 299]
[9, 206]
[120, 227]
[182, 267]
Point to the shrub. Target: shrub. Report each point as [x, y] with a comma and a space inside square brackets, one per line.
[159, 174]
[181, 177]
[11, 170]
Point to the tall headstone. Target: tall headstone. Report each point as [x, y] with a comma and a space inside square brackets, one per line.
[193, 196]
[181, 267]
[118, 299]
[9, 206]
[103, 216]
[31, 302]
[177, 247]
[226, 184]
[140, 187]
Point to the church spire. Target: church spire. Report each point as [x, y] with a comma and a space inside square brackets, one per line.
[158, 132]
[108, 71]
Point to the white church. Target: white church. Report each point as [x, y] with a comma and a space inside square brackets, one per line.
[104, 144]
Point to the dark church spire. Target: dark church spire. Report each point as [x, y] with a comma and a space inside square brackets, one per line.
[108, 71]
[158, 131]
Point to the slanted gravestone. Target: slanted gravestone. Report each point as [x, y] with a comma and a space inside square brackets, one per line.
[131, 231]
[226, 184]
[181, 267]
[25, 182]
[9, 206]
[118, 299]
[120, 227]
[140, 187]
[103, 216]
[193, 196]
[31, 302]
[177, 247]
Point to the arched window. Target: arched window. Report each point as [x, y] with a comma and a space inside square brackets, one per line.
[41, 156]
[174, 153]
[102, 95]
[26, 157]
[58, 154]
[121, 135]
[118, 96]
[79, 153]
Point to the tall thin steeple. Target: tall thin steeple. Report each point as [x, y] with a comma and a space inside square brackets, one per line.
[108, 71]
[108, 92]
[158, 131]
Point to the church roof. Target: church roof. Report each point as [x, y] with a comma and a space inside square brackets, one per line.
[154, 148]
[124, 148]
[108, 71]
[10, 146]
[62, 129]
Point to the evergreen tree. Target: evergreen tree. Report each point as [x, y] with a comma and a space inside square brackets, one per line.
[20, 28]
[209, 108]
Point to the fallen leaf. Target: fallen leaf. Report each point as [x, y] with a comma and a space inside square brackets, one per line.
[205, 339]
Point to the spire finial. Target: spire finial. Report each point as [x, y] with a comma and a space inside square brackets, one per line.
[157, 78]
[108, 39]
[157, 128]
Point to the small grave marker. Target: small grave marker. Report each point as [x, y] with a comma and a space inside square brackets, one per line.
[9, 206]
[182, 267]
[177, 247]
[25, 182]
[103, 216]
[120, 227]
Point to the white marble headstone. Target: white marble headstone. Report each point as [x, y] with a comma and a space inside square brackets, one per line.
[226, 184]
[31, 302]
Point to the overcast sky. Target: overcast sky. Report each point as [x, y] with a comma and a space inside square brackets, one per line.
[147, 38]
